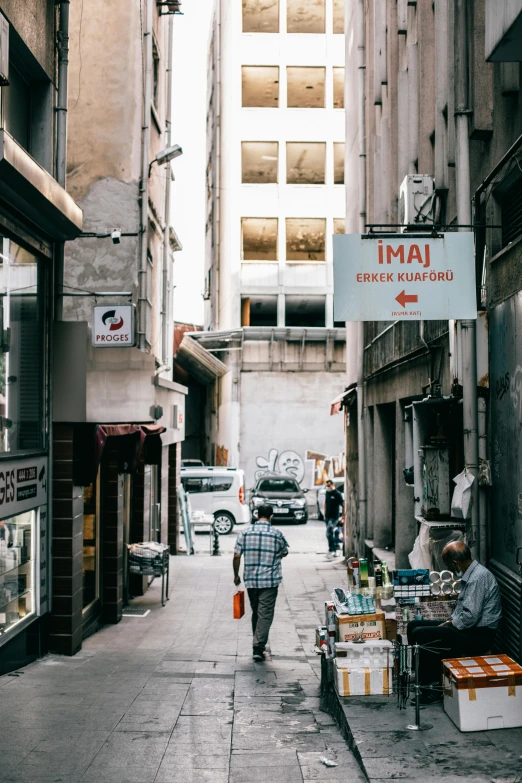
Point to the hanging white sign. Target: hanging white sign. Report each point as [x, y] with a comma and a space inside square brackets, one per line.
[406, 277]
[112, 326]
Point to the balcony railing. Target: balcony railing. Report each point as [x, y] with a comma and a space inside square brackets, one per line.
[390, 342]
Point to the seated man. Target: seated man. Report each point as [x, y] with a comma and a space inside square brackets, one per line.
[473, 624]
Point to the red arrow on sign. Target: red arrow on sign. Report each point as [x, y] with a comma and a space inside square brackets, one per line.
[404, 298]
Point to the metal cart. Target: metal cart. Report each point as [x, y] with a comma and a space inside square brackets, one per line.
[151, 559]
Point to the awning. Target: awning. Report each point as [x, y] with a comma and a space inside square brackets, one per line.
[130, 440]
[30, 190]
[343, 400]
[200, 363]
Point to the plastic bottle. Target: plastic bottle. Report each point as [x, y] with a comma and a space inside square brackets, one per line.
[356, 573]
[363, 572]
[378, 577]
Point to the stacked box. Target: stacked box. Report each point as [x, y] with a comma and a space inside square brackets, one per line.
[483, 692]
[411, 582]
[357, 603]
[369, 626]
[374, 654]
[368, 681]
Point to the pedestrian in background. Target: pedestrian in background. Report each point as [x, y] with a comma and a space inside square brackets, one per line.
[263, 548]
[333, 509]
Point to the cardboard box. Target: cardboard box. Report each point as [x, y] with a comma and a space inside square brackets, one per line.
[483, 692]
[348, 627]
[363, 682]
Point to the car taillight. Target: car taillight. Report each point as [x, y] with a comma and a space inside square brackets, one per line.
[241, 494]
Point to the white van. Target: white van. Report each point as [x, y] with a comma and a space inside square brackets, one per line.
[218, 491]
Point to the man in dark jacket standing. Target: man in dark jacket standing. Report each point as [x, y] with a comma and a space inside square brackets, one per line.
[333, 509]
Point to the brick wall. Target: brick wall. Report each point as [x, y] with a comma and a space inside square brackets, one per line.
[67, 547]
[164, 524]
[173, 483]
[112, 540]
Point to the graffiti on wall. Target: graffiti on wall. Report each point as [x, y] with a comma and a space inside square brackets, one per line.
[289, 462]
[221, 456]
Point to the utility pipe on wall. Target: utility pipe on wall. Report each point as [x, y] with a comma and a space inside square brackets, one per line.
[61, 143]
[144, 182]
[166, 291]
[361, 132]
[468, 327]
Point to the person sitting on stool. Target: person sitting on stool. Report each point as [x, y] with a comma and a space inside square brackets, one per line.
[471, 630]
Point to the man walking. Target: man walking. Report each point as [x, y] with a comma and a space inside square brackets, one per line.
[263, 547]
[333, 508]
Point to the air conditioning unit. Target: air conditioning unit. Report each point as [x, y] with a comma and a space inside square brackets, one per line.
[417, 202]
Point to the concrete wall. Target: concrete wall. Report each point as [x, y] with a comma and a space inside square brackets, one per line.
[34, 21]
[284, 415]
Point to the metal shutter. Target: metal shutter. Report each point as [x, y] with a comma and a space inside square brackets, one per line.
[510, 584]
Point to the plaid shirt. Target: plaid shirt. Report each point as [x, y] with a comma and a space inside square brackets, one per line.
[262, 546]
[478, 604]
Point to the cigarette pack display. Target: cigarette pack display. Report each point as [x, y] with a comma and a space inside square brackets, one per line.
[366, 681]
[321, 638]
[411, 577]
[329, 614]
[367, 626]
[483, 692]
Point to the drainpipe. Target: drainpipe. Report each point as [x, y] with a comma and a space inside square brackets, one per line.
[144, 183]
[361, 438]
[482, 447]
[468, 327]
[61, 142]
[166, 296]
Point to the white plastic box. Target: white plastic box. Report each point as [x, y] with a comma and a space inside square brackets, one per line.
[483, 692]
[376, 653]
[369, 681]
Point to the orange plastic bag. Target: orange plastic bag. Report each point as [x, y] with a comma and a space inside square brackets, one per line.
[239, 604]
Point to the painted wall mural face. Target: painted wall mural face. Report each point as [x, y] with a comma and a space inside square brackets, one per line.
[320, 466]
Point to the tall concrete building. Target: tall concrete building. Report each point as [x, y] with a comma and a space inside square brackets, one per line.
[275, 196]
[437, 86]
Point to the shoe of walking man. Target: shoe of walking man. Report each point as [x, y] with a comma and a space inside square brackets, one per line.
[263, 548]
[333, 509]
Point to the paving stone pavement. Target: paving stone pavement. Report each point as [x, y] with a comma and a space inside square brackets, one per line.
[175, 696]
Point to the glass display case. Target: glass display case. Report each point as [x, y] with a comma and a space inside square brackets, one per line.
[17, 569]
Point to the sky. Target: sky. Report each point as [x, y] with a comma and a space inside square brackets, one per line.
[191, 33]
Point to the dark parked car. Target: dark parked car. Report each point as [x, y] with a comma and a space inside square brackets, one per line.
[285, 496]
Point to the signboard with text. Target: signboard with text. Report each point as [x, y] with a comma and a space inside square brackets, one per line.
[23, 485]
[113, 326]
[403, 276]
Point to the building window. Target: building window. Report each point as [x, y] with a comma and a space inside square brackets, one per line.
[306, 311]
[17, 108]
[22, 349]
[339, 226]
[259, 161]
[305, 16]
[260, 86]
[339, 162]
[260, 16]
[305, 87]
[155, 75]
[17, 569]
[259, 239]
[510, 201]
[338, 16]
[305, 163]
[338, 88]
[305, 239]
[259, 311]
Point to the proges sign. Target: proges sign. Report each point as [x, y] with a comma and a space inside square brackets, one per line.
[408, 277]
[113, 326]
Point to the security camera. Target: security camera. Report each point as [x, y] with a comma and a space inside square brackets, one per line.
[168, 154]
[116, 236]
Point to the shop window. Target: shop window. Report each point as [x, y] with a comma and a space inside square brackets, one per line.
[307, 311]
[339, 163]
[305, 239]
[259, 161]
[339, 226]
[91, 543]
[22, 349]
[305, 163]
[260, 16]
[260, 85]
[17, 570]
[305, 87]
[259, 239]
[338, 88]
[338, 16]
[259, 311]
[305, 16]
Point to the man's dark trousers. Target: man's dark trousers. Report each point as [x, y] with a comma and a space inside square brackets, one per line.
[446, 642]
[263, 601]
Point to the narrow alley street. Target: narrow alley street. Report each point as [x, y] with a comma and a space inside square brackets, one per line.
[175, 696]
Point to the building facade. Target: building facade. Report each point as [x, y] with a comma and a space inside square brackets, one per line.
[37, 216]
[118, 414]
[275, 196]
[437, 86]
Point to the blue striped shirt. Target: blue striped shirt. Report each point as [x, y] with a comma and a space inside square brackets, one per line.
[262, 547]
[478, 604]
